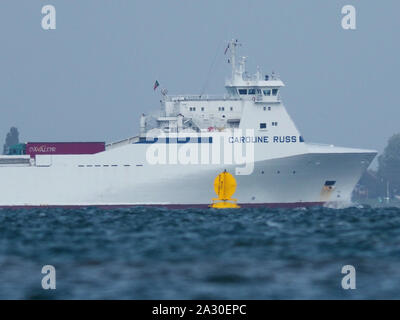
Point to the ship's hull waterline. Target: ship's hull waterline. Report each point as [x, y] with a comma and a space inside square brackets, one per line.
[295, 181]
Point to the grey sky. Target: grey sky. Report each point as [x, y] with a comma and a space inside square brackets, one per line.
[92, 77]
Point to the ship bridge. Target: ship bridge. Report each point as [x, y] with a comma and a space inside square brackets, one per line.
[256, 87]
[196, 113]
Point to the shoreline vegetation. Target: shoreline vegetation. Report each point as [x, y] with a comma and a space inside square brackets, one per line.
[382, 186]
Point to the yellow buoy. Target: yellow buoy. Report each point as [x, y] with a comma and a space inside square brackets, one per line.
[224, 187]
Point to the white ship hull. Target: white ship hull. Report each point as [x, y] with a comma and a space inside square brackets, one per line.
[296, 180]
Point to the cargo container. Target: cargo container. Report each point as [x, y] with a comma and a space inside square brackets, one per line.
[34, 148]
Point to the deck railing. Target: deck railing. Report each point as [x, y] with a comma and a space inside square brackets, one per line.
[121, 142]
[198, 97]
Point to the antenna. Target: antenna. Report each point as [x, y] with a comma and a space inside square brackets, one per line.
[232, 46]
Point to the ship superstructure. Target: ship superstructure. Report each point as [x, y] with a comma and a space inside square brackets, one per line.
[177, 155]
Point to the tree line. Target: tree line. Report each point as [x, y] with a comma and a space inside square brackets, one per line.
[385, 180]
[12, 139]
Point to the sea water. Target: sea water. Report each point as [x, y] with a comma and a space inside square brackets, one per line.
[150, 253]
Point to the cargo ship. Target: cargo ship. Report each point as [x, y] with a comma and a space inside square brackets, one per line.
[177, 155]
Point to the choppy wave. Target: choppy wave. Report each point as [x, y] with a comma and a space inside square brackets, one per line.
[154, 253]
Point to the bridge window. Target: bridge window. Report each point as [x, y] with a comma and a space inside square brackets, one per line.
[263, 125]
[252, 91]
[242, 91]
[274, 124]
[267, 92]
[234, 123]
[274, 92]
[192, 108]
[202, 108]
[221, 109]
[258, 91]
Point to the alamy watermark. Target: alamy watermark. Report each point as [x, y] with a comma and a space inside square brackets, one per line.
[349, 280]
[49, 20]
[49, 280]
[228, 148]
[349, 18]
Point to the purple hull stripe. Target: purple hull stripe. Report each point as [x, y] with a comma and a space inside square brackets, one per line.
[175, 206]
